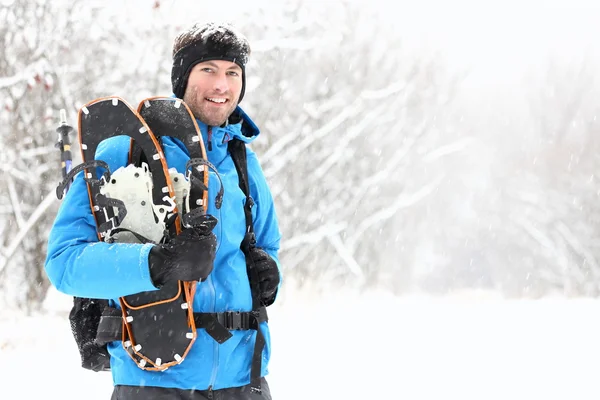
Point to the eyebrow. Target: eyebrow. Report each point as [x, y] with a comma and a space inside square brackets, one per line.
[214, 65]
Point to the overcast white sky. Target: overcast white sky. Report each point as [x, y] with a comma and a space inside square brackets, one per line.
[502, 40]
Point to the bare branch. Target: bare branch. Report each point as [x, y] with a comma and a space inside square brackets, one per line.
[403, 201]
[346, 255]
[314, 236]
[9, 251]
[15, 201]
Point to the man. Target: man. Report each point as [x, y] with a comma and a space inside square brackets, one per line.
[209, 75]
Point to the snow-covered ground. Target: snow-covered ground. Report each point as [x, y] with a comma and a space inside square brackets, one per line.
[347, 346]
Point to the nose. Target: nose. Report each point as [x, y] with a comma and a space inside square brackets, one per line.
[220, 83]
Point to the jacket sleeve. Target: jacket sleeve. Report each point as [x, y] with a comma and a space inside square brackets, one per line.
[266, 225]
[77, 263]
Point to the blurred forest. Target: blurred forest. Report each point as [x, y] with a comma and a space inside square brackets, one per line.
[394, 164]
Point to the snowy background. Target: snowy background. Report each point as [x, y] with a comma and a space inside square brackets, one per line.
[447, 241]
[468, 346]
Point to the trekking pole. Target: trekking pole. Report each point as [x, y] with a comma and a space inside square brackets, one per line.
[64, 145]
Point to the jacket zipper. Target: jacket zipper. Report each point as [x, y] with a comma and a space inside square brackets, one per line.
[210, 138]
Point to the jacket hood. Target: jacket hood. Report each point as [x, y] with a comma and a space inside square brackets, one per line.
[248, 129]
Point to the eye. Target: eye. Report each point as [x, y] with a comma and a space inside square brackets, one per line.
[207, 69]
[233, 73]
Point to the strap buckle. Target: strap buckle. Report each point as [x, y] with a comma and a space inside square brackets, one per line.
[234, 320]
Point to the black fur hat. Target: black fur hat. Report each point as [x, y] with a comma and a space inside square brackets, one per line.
[207, 42]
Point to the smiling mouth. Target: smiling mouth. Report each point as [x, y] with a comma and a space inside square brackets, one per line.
[216, 100]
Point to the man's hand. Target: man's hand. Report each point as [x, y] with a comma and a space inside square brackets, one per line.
[188, 256]
[268, 275]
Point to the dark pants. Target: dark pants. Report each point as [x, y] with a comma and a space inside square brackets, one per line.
[157, 393]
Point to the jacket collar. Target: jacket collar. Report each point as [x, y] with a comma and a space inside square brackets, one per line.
[216, 138]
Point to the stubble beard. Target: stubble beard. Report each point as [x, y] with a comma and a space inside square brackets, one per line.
[209, 117]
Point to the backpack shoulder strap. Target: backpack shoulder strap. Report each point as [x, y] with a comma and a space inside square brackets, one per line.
[237, 149]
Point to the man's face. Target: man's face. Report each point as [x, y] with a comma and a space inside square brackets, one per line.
[213, 90]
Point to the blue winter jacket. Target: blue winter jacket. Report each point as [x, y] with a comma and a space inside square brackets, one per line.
[79, 265]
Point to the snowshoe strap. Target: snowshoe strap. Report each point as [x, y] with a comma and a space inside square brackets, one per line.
[138, 236]
[60, 189]
[115, 221]
[194, 162]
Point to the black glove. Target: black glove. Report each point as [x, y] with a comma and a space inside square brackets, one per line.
[188, 256]
[268, 275]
